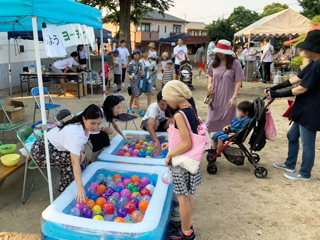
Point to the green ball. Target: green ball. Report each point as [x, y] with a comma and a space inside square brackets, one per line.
[129, 222]
[108, 176]
[135, 189]
[149, 149]
[130, 186]
[142, 150]
[140, 144]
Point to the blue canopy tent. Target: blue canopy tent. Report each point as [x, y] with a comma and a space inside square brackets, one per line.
[28, 15]
[173, 38]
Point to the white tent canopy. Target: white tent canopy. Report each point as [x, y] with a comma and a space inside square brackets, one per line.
[282, 23]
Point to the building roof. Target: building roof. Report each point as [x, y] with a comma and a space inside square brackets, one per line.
[167, 17]
[196, 25]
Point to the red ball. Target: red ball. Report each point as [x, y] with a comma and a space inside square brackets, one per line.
[130, 206]
[108, 208]
[145, 191]
[99, 193]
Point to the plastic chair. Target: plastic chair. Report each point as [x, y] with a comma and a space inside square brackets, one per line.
[126, 117]
[62, 114]
[7, 126]
[23, 134]
[48, 106]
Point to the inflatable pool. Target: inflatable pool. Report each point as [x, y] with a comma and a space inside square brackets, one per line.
[110, 153]
[57, 223]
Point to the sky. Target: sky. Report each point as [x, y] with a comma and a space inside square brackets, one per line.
[207, 11]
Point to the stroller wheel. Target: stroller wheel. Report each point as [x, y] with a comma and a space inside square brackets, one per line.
[210, 157]
[212, 168]
[255, 157]
[261, 172]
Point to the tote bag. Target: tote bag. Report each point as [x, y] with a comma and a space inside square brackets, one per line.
[190, 160]
[270, 128]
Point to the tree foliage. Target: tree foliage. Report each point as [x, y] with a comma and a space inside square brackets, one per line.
[310, 8]
[273, 8]
[242, 17]
[223, 28]
[315, 20]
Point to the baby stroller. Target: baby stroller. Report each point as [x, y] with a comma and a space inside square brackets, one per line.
[235, 151]
[186, 74]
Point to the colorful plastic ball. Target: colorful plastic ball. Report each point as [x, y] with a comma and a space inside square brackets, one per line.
[141, 141]
[149, 149]
[105, 195]
[113, 200]
[118, 189]
[100, 201]
[136, 195]
[98, 217]
[144, 146]
[91, 189]
[140, 187]
[148, 157]
[119, 220]
[116, 176]
[150, 187]
[108, 208]
[149, 154]
[127, 154]
[129, 222]
[112, 185]
[97, 209]
[138, 146]
[126, 181]
[86, 212]
[94, 197]
[108, 217]
[152, 182]
[125, 148]
[152, 142]
[116, 194]
[145, 191]
[88, 195]
[130, 185]
[90, 203]
[141, 155]
[100, 178]
[130, 206]
[135, 201]
[75, 212]
[136, 216]
[122, 212]
[126, 193]
[109, 178]
[167, 177]
[101, 188]
[135, 179]
[99, 193]
[121, 185]
[136, 184]
[117, 181]
[125, 177]
[144, 181]
[143, 205]
[95, 184]
[130, 152]
[104, 183]
[120, 154]
[135, 189]
[122, 201]
[136, 151]
[135, 141]
[143, 150]
[81, 205]
[146, 197]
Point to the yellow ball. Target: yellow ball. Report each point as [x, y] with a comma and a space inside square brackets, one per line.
[98, 217]
[96, 209]
[148, 157]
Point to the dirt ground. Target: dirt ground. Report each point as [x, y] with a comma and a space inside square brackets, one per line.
[233, 204]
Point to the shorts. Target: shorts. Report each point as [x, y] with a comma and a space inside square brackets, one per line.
[56, 70]
[201, 65]
[177, 68]
[161, 128]
[220, 135]
[117, 79]
[99, 141]
[106, 80]
[184, 182]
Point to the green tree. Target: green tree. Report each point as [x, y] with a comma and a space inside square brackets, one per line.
[242, 17]
[123, 12]
[310, 8]
[273, 8]
[223, 28]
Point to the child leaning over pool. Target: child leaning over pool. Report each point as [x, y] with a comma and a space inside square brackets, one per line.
[245, 112]
[185, 183]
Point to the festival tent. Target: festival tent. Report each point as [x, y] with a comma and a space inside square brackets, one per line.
[173, 38]
[29, 15]
[290, 42]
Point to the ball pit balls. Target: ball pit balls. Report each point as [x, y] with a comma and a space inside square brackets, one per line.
[122, 212]
[86, 212]
[101, 188]
[94, 184]
[136, 216]
[119, 220]
[152, 182]
[105, 195]
[121, 185]
[140, 187]
[75, 212]
[143, 205]
[130, 206]
[80, 205]
[117, 181]
[90, 203]
[116, 176]
[126, 181]
[127, 154]
[108, 217]
[108, 208]
[97, 209]
[112, 185]
[118, 189]
[100, 178]
[144, 181]
[145, 191]
[116, 194]
[130, 186]
[100, 202]
[113, 200]
[122, 201]
[134, 189]
[126, 193]
[98, 217]
[138, 146]
[148, 157]
[136, 195]
[136, 184]
[99, 193]
[135, 201]
[145, 197]
[135, 179]
[150, 188]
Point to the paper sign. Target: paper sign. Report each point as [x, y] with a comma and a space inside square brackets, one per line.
[52, 42]
[68, 35]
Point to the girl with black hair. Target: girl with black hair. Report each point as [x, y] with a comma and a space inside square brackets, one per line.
[66, 146]
[111, 109]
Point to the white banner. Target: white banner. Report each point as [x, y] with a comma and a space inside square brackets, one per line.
[91, 37]
[69, 34]
[52, 42]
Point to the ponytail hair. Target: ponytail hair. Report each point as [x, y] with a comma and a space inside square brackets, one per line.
[91, 112]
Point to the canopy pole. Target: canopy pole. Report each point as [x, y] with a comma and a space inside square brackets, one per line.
[42, 103]
[90, 75]
[247, 66]
[9, 66]
[102, 63]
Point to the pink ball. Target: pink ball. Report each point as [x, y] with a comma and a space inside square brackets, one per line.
[117, 180]
[127, 180]
[144, 181]
[122, 152]
[79, 205]
[94, 184]
[144, 146]
[126, 193]
[121, 185]
[116, 194]
[136, 184]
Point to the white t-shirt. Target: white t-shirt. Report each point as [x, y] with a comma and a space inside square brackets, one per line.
[181, 51]
[153, 54]
[155, 112]
[123, 54]
[246, 53]
[210, 51]
[71, 138]
[118, 70]
[268, 50]
[83, 55]
[64, 63]
[284, 53]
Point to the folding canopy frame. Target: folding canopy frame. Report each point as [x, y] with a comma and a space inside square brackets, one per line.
[29, 15]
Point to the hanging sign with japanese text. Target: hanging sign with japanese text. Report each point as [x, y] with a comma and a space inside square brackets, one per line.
[52, 42]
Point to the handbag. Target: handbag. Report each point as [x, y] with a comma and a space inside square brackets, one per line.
[189, 160]
[208, 99]
[270, 128]
[288, 111]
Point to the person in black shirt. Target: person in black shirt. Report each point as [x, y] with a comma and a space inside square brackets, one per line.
[305, 112]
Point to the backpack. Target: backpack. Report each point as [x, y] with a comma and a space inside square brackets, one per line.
[258, 137]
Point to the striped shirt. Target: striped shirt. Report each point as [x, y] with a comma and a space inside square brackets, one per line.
[167, 76]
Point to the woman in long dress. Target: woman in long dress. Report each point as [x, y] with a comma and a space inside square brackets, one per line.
[225, 77]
